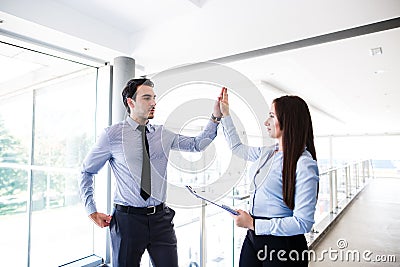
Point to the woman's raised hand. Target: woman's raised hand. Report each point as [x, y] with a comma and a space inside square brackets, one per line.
[223, 102]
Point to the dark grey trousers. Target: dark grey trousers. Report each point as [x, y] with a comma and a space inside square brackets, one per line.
[132, 234]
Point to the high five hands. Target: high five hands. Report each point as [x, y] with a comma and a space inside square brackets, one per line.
[221, 107]
[243, 219]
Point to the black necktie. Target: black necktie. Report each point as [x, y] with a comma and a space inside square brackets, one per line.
[145, 184]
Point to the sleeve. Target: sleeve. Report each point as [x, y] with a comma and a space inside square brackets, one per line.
[93, 162]
[307, 178]
[235, 144]
[197, 143]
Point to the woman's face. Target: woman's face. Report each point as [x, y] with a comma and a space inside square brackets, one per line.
[272, 124]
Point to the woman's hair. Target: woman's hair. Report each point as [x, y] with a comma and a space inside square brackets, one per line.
[297, 134]
[131, 89]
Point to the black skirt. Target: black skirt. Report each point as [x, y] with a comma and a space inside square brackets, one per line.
[269, 250]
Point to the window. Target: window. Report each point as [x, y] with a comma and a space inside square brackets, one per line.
[47, 125]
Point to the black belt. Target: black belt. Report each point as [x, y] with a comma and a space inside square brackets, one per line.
[264, 218]
[136, 210]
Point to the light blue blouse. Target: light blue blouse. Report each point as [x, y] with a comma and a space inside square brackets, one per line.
[266, 175]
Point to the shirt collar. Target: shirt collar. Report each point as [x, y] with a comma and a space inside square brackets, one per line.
[276, 146]
[134, 124]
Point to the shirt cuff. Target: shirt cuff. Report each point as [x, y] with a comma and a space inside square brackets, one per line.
[212, 125]
[91, 209]
[262, 227]
[227, 120]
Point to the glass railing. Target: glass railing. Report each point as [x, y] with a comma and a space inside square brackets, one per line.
[338, 187]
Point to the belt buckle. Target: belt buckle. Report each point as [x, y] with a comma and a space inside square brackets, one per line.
[152, 212]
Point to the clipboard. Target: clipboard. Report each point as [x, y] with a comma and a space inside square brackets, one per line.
[225, 207]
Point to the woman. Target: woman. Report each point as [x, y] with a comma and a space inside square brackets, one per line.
[285, 180]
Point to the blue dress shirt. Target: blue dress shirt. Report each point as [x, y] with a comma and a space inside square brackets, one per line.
[121, 145]
[267, 199]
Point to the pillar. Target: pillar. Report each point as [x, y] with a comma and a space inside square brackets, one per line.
[123, 71]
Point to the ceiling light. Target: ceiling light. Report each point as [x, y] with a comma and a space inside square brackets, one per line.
[379, 71]
[376, 51]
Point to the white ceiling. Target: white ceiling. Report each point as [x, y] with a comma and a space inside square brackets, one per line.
[350, 91]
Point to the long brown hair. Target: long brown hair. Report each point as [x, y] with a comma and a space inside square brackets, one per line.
[297, 134]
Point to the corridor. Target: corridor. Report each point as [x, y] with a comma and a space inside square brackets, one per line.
[367, 232]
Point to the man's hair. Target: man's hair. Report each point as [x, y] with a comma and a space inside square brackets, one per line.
[297, 134]
[131, 89]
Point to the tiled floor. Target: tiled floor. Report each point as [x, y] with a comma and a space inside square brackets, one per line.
[369, 228]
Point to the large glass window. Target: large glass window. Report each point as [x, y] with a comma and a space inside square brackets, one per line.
[15, 139]
[64, 131]
[47, 125]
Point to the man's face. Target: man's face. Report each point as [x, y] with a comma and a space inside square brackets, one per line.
[144, 104]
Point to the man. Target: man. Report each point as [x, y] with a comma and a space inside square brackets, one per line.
[137, 152]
